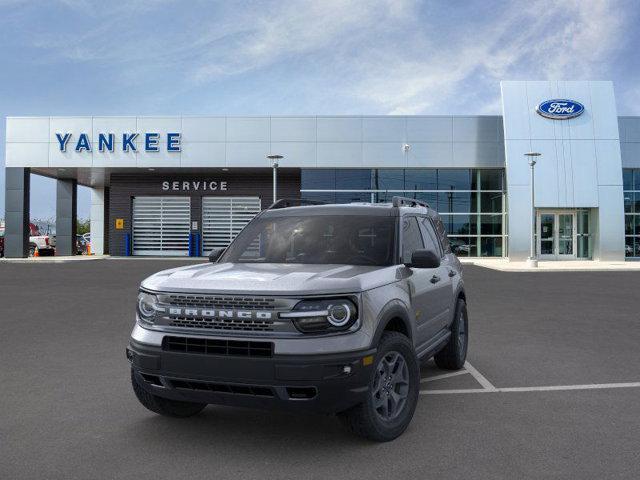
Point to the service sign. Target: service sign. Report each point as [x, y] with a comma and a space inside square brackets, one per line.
[560, 109]
[106, 142]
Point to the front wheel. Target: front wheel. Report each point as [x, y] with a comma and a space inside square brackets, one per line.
[164, 406]
[454, 354]
[393, 392]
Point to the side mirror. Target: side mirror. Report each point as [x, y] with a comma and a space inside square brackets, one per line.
[215, 254]
[424, 259]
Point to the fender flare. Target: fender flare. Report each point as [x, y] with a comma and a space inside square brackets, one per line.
[393, 309]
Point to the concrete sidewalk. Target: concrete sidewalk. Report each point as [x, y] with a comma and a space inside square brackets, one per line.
[504, 265]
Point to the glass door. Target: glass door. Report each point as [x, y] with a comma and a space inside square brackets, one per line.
[546, 227]
[556, 235]
[566, 231]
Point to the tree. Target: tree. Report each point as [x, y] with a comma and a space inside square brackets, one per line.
[84, 226]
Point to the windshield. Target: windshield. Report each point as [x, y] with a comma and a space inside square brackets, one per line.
[318, 239]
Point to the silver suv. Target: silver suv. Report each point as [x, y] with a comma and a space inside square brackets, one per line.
[322, 308]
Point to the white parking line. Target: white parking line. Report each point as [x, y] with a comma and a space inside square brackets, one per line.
[444, 375]
[488, 387]
[550, 388]
[486, 384]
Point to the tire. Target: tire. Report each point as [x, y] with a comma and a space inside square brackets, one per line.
[164, 406]
[368, 419]
[454, 353]
[32, 249]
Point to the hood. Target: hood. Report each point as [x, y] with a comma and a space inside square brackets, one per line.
[270, 278]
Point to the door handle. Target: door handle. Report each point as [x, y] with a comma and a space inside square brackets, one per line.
[435, 279]
[452, 273]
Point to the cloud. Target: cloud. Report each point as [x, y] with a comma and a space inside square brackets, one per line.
[543, 40]
[390, 56]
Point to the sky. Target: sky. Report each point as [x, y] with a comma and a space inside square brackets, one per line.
[148, 57]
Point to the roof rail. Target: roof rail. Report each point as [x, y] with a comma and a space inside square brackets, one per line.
[408, 202]
[293, 202]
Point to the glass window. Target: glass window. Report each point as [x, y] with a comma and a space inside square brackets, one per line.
[630, 247]
[457, 202]
[469, 200]
[349, 197]
[431, 198]
[628, 202]
[464, 246]
[490, 179]
[454, 179]
[353, 179]
[460, 224]
[421, 179]
[491, 247]
[317, 179]
[326, 197]
[629, 224]
[320, 239]
[636, 179]
[388, 179]
[491, 202]
[411, 238]
[490, 224]
[627, 178]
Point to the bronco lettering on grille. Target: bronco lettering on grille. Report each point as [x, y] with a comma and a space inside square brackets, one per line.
[215, 313]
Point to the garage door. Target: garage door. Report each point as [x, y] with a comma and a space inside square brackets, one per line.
[161, 225]
[224, 217]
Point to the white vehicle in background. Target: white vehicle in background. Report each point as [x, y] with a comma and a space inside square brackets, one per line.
[44, 243]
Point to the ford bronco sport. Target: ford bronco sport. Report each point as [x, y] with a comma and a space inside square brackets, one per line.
[323, 308]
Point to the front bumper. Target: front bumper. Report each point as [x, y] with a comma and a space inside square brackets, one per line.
[327, 383]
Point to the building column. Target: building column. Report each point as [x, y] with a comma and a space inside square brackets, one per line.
[66, 216]
[97, 221]
[17, 191]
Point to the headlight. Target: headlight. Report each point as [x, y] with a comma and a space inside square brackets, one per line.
[147, 306]
[323, 316]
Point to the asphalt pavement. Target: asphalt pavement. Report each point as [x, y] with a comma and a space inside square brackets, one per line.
[551, 390]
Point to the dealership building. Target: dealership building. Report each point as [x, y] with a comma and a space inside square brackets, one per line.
[182, 185]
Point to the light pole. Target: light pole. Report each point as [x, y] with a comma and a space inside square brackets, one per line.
[274, 163]
[532, 261]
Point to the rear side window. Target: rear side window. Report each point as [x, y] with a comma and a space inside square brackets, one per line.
[411, 238]
[442, 234]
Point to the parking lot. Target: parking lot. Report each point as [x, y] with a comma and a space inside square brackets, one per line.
[550, 390]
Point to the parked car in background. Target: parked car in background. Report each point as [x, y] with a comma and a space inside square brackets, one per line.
[43, 243]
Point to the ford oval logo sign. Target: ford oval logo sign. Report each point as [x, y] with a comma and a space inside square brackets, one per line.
[560, 109]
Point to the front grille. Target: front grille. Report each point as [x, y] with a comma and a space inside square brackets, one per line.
[244, 325]
[218, 301]
[254, 390]
[208, 346]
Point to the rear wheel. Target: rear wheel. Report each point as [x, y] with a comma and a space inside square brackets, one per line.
[164, 406]
[393, 392]
[454, 354]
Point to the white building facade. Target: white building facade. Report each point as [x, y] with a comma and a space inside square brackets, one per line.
[184, 185]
